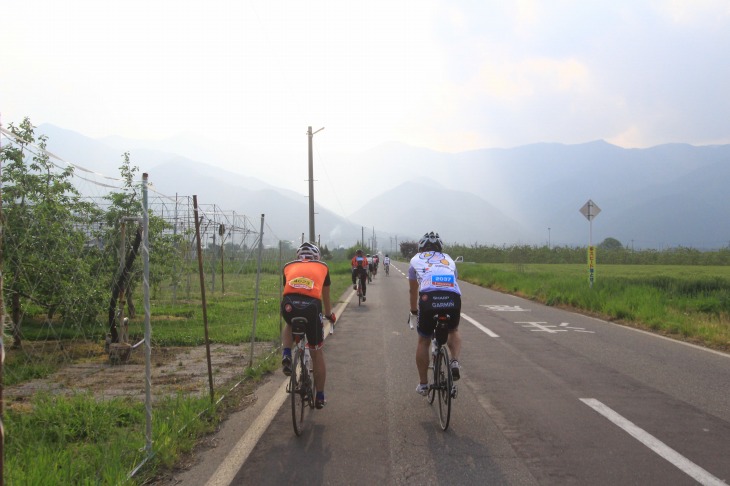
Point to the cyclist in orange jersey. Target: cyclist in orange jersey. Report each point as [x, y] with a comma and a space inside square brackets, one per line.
[360, 268]
[306, 290]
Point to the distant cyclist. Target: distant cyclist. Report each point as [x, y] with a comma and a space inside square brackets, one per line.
[370, 267]
[360, 270]
[306, 289]
[433, 288]
[376, 262]
[386, 264]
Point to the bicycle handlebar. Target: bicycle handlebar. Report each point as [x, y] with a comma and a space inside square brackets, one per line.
[412, 318]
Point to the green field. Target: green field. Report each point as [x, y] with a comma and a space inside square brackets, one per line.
[686, 302]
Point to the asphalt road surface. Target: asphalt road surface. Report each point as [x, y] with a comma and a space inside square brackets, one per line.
[546, 397]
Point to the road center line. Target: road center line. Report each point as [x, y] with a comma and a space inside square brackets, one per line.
[693, 470]
[479, 326]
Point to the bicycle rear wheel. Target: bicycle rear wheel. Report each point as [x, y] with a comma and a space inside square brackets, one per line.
[297, 389]
[445, 383]
[359, 293]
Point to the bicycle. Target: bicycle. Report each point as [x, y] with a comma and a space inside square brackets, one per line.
[387, 270]
[301, 384]
[359, 290]
[442, 380]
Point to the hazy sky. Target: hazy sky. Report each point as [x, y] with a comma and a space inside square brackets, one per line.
[444, 74]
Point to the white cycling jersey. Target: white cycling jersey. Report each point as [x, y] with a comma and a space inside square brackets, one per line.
[434, 271]
[386, 261]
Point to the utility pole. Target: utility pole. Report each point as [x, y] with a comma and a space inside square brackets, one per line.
[310, 135]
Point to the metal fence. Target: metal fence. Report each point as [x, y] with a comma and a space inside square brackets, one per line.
[209, 291]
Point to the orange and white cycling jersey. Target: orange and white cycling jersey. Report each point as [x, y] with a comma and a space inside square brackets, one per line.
[306, 277]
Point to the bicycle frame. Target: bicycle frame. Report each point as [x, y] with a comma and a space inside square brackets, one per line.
[301, 385]
[359, 289]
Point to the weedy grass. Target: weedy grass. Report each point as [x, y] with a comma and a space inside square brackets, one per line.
[687, 302]
[81, 440]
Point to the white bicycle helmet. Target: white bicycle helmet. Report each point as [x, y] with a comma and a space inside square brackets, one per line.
[308, 251]
[430, 242]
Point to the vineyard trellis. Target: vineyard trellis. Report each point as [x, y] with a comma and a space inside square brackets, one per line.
[72, 245]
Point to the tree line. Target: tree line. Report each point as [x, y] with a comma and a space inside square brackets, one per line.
[609, 251]
[605, 254]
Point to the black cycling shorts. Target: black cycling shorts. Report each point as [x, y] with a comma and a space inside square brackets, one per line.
[295, 305]
[431, 304]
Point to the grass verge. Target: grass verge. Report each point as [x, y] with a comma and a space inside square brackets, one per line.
[686, 302]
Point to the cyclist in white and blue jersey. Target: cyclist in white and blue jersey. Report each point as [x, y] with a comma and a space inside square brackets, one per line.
[432, 279]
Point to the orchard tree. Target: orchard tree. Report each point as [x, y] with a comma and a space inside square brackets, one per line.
[408, 249]
[326, 253]
[44, 237]
[610, 244]
[125, 211]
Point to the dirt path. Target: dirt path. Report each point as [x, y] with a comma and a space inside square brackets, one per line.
[173, 370]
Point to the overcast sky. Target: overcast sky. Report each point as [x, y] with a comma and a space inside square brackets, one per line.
[443, 74]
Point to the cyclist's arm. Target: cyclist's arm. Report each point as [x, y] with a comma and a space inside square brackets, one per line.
[326, 300]
[413, 291]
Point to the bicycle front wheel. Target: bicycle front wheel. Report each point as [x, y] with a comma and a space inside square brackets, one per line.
[298, 392]
[445, 383]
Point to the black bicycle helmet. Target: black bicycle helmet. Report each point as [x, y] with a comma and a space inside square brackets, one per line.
[308, 251]
[430, 242]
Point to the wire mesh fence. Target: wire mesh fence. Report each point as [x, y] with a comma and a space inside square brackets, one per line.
[73, 283]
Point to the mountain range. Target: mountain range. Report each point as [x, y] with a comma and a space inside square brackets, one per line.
[659, 197]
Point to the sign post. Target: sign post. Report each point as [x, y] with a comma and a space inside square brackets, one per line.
[590, 210]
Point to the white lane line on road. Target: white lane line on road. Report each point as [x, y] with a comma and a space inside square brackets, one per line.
[688, 467]
[479, 326]
[238, 455]
[338, 313]
[232, 464]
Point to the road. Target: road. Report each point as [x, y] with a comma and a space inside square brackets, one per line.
[546, 397]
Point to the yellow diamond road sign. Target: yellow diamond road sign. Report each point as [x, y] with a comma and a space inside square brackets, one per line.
[590, 210]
